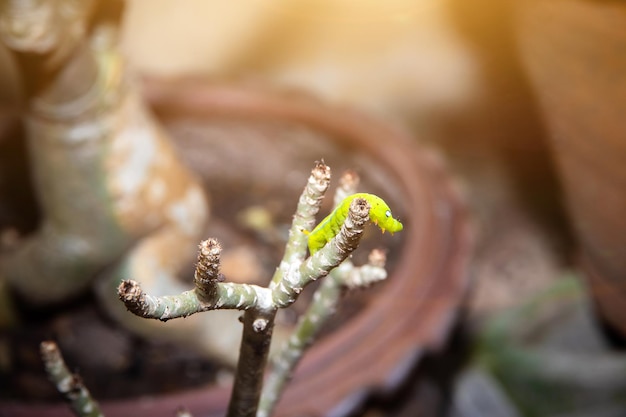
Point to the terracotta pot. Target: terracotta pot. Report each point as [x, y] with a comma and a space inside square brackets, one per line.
[574, 52]
[411, 314]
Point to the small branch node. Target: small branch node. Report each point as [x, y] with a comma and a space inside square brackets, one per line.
[260, 325]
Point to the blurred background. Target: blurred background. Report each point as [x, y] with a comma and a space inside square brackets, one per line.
[525, 99]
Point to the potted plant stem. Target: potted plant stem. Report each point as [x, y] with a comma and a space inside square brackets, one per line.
[329, 244]
[428, 274]
[429, 286]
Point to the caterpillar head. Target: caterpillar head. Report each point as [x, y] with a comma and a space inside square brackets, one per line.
[380, 215]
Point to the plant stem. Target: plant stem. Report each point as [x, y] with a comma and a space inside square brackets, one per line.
[68, 384]
[294, 273]
[323, 306]
[327, 258]
[304, 220]
[226, 295]
[255, 345]
[258, 323]
[209, 292]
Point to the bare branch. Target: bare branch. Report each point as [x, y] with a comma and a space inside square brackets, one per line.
[368, 274]
[304, 220]
[322, 308]
[255, 345]
[327, 258]
[209, 294]
[293, 274]
[68, 384]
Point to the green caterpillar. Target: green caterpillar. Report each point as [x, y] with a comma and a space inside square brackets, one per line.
[380, 215]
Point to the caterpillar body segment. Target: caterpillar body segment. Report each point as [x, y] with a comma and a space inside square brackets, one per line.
[380, 215]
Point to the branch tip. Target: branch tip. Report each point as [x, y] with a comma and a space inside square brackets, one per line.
[348, 184]
[133, 297]
[129, 290]
[208, 266]
[349, 180]
[377, 257]
[359, 211]
[321, 171]
[49, 351]
[68, 384]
